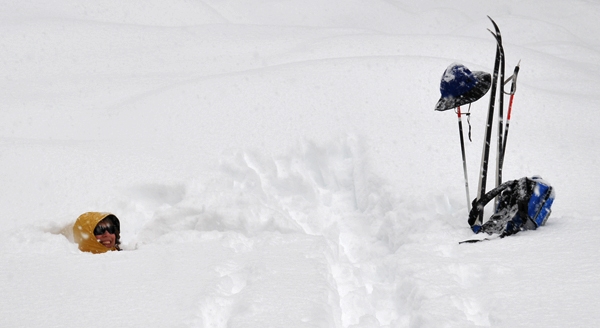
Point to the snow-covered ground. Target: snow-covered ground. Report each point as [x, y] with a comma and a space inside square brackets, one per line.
[280, 164]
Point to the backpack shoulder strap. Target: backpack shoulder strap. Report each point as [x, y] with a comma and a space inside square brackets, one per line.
[479, 204]
[526, 187]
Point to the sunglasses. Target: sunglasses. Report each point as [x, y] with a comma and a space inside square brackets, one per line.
[103, 228]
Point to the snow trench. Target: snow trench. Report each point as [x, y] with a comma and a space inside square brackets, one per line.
[326, 191]
[312, 230]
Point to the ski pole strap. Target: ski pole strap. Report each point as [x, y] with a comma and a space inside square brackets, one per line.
[468, 115]
[469, 121]
[513, 87]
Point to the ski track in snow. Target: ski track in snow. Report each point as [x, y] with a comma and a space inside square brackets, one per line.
[280, 164]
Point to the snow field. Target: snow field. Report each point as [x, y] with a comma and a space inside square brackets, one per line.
[279, 164]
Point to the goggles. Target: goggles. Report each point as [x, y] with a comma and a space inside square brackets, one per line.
[100, 229]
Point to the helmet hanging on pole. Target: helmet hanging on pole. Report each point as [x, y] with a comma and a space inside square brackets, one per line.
[460, 86]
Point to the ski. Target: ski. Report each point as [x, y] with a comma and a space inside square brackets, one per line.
[500, 146]
[488, 129]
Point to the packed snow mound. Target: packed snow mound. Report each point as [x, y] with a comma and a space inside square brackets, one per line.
[309, 190]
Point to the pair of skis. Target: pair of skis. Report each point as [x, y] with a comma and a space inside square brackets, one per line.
[497, 82]
[498, 75]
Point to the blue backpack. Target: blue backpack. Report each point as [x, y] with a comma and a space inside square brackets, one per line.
[523, 204]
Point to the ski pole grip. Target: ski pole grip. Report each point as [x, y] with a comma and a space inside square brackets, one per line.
[513, 87]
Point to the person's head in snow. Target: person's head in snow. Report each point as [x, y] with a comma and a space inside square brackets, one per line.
[460, 86]
[97, 232]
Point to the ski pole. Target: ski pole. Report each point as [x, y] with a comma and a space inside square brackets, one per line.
[513, 89]
[464, 158]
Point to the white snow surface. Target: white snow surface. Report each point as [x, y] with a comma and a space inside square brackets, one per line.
[279, 163]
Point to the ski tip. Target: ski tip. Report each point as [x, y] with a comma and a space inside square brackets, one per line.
[495, 25]
[471, 241]
[480, 239]
[496, 36]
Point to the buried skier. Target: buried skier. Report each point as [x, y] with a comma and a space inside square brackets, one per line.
[97, 232]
